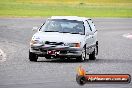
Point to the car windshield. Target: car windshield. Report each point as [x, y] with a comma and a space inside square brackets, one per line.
[63, 26]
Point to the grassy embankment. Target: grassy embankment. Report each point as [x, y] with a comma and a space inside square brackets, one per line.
[44, 8]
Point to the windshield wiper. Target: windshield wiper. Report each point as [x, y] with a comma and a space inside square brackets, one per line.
[70, 32]
[64, 32]
[74, 33]
[77, 33]
[51, 31]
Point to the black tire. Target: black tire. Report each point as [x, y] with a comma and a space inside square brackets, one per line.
[33, 57]
[92, 56]
[97, 48]
[83, 56]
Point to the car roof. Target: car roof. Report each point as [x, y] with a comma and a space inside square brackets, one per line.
[70, 18]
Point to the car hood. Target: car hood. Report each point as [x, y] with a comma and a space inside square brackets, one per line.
[58, 37]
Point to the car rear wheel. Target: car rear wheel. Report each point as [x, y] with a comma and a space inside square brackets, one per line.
[33, 57]
[92, 56]
[83, 55]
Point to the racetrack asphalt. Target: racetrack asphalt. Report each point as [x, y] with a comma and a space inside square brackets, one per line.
[115, 56]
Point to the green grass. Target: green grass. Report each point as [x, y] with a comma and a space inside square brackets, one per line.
[44, 8]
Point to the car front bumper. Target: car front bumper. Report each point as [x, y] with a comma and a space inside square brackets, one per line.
[56, 51]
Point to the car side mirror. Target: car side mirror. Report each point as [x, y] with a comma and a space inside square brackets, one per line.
[35, 28]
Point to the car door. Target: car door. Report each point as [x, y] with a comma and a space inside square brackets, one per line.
[94, 32]
[88, 36]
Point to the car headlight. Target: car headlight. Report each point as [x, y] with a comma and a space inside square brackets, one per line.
[73, 44]
[34, 42]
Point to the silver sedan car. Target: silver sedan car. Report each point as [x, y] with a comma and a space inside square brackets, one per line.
[65, 37]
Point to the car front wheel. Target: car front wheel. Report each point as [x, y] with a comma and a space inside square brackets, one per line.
[83, 55]
[33, 57]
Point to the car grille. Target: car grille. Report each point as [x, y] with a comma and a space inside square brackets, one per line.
[54, 43]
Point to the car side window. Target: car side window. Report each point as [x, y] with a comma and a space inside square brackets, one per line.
[89, 26]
